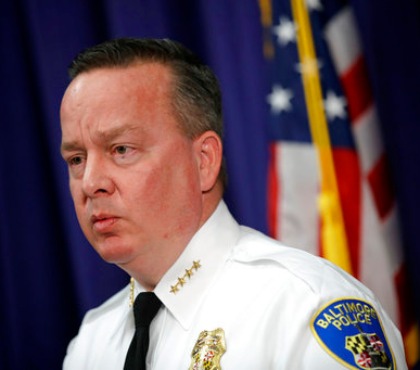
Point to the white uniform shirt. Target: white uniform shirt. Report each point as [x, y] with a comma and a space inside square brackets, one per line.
[262, 295]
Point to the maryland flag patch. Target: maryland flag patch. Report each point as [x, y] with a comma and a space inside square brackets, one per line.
[351, 332]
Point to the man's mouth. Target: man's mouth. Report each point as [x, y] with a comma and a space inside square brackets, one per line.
[103, 223]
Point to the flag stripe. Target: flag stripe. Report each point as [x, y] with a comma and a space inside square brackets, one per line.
[348, 176]
[368, 139]
[380, 184]
[357, 89]
[298, 207]
[343, 40]
[376, 262]
[273, 193]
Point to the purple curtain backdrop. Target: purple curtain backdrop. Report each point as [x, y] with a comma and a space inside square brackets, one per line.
[49, 275]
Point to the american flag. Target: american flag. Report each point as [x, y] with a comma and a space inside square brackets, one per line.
[329, 190]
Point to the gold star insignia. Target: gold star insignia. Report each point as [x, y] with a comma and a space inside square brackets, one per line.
[188, 273]
[174, 288]
[182, 280]
[196, 265]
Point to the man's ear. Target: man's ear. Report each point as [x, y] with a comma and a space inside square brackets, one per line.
[209, 152]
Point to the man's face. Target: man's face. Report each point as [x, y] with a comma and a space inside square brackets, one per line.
[134, 176]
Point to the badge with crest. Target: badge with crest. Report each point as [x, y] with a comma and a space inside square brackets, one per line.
[208, 350]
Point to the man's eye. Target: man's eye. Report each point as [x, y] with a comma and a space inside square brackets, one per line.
[75, 161]
[121, 149]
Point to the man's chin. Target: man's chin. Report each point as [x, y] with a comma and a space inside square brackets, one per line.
[116, 254]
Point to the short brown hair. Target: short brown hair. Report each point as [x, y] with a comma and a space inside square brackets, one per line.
[196, 92]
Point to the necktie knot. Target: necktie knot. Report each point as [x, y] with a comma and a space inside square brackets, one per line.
[145, 309]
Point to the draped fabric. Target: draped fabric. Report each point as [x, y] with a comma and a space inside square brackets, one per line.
[49, 275]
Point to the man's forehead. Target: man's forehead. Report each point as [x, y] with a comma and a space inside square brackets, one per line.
[109, 100]
[106, 82]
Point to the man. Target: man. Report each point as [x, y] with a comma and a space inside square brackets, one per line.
[142, 126]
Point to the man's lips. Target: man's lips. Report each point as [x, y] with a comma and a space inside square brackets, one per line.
[103, 223]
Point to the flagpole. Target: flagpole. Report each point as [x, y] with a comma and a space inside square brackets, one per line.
[333, 234]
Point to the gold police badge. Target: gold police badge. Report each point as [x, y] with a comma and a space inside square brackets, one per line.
[208, 350]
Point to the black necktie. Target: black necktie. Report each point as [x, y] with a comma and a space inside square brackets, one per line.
[145, 308]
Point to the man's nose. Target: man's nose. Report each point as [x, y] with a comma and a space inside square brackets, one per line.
[96, 178]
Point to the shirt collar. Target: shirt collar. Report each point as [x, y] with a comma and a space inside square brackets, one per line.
[184, 285]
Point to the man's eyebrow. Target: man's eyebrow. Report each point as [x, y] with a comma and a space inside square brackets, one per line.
[106, 135]
[112, 133]
[69, 146]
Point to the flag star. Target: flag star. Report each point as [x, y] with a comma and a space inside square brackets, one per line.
[279, 99]
[314, 4]
[285, 31]
[335, 106]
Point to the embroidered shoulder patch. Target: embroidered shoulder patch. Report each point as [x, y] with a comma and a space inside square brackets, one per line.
[350, 330]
